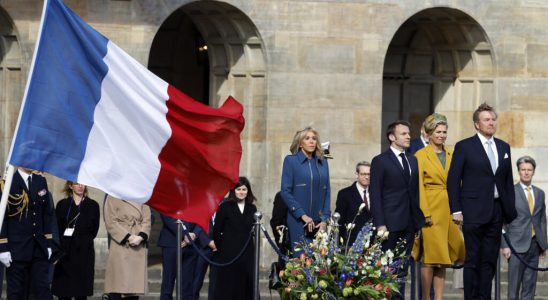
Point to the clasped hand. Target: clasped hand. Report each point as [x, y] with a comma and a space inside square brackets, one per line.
[135, 240]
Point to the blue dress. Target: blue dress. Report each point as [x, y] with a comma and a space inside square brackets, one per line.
[306, 191]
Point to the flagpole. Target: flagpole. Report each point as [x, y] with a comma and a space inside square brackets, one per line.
[10, 169]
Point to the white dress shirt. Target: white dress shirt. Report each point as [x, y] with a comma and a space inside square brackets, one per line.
[484, 141]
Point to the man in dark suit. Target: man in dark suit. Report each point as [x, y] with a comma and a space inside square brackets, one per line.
[527, 233]
[394, 193]
[25, 239]
[481, 198]
[349, 201]
[168, 242]
[418, 143]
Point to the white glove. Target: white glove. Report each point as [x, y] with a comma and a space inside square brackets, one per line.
[49, 253]
[5, 258]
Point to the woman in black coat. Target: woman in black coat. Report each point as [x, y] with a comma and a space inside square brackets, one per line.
[78, 220]
[233, 223]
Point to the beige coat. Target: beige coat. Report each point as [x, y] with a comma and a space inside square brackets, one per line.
[126, 270]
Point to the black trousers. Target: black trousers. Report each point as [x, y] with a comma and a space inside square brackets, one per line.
[482, 242]
[34, 273]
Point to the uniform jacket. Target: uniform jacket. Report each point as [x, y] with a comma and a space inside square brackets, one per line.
[394, 201]
[519, 231]
[28, 219]
[471, 182]
[304, 194]
[126, 270]
[348, 203]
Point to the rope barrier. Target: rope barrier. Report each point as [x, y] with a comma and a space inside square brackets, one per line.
[216, 264]
[519, 256]
[273, 245]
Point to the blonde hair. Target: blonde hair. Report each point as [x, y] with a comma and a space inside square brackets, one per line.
[299, 137]
[432, 121]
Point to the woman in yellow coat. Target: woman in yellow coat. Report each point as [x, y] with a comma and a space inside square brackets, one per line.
[442, 241]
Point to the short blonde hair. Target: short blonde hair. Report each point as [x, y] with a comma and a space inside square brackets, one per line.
[299, 137]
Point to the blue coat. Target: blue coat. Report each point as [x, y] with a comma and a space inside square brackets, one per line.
[305, 190]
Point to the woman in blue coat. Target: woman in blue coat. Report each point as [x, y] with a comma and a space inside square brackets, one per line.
[305, 187]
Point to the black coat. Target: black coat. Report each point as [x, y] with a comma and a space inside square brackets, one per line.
[230, 232]
[74, 272]
[348, 203]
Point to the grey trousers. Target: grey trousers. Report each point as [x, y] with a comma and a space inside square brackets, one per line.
[522, 281]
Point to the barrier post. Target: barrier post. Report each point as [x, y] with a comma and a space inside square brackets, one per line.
[179, 259]
[258, 216]
[497, 280]
[336, 217]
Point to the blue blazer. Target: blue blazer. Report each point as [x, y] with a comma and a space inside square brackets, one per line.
[394, 201]
[471, 182]
[299, 192]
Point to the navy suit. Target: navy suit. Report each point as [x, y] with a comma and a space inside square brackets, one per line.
[26, 234]
[348, 203]
[395, 202]
[470, 185]
[168, 242]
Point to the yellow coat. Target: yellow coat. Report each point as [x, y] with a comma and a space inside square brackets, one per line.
[442, 243]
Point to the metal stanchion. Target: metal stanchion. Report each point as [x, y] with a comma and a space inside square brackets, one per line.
[415, 280]
[258, 216]
[179, 258]
[497, 280]
[336, 217]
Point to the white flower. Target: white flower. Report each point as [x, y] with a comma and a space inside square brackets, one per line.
[383, 261]
[350, 226]
[362, 206]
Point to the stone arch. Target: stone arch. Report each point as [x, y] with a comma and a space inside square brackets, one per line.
[12, 82]
[441, 60]
[235, 65]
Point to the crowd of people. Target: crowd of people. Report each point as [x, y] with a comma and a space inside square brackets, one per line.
[449, 206]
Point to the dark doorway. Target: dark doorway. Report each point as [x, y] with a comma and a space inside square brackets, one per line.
[439, 60]
[179, 55]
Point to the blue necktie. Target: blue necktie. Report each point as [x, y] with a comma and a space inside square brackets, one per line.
[491, 155]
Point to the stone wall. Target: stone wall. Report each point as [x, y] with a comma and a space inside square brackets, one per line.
[322, 63]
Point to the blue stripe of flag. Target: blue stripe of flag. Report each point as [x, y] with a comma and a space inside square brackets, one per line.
[63, 91]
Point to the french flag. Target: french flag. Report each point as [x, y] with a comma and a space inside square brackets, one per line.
[94, 115]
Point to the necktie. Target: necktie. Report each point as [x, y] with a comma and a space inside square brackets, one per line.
[29, 182]
[365, 200]
[491, 155]
[531, 206]
[406, 169]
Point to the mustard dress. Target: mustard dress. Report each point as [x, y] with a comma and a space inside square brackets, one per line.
[441, 244]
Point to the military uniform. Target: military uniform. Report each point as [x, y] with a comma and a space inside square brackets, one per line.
[26, 234]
